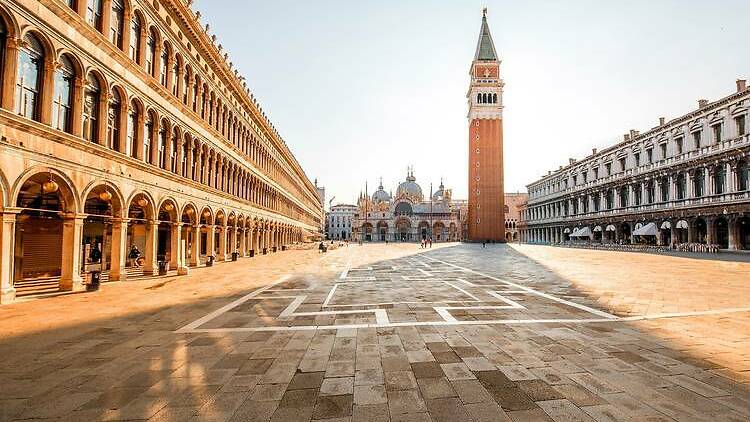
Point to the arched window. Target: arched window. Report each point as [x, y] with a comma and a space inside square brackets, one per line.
[184, 163]
[173, 152]
[91, 97]
[494, 98]
[94, 13]
[133, 117]
[62, 103]
[148, 135]
[3, 44]
[204, 96]
[743, 176]
[681, 186]
[29, 77]
[113, 121]
[150, 53]
[116, 23]
[164, 65]
[135, 38]
[186, 85]
[698, 184]
[176, 80]
[479, 98]
[195, 95]
[720, 177]
[162, 145]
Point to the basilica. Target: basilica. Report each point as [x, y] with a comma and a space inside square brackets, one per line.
[407, 215]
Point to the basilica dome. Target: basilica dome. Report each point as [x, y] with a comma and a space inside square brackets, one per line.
[381, 195]
[410, 189]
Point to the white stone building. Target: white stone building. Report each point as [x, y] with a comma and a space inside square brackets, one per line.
[339, 221]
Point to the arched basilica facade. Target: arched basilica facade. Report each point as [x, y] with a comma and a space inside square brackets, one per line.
[407, 216]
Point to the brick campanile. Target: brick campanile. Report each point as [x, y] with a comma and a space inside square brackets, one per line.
[486, 217]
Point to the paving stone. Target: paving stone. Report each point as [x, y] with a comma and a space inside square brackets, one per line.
[447, 410]
[305, 380]
[407, 401]
[471, 391]
[371, 413]
[434, 388]
[426, 370]
[486, 412]
[329, 407]
[337, 386]
[369, 394]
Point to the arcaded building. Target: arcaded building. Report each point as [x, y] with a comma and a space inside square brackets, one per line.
[684, 181]
[515, 202]
[124, 126]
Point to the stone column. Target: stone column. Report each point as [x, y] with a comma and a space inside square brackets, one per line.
[45, 98]
[175, 240]
[151, 248]
[733, 233]
[672, 187]
[7, 245]
[9, 74]
[731, 177]
[673, 232]
[195, 247]
[119, 249]
[692, 232]
[243, 242]
[70, 274]
[222, 255]
[710, 230]
[211, 240]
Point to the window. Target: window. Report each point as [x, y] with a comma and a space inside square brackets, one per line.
[637, 158]
[649, 156]
[113, 121]
[597, 202]
[663, 148]
[739, 123]
[173, 152]
[135, 39]
[624, 197]
[698, 183]
[116, 23]
[622, 164]
[743, 175]
[94, 13]
[678, 143]
[697, 139]
[717, 133]
[148, 134]
[132, 133]
[176, 80]
[665, 189]
[29, 78]
[150, 53]
[637, 195]
[596, 173]
[62, 103]
[650, 192]
[164, 65]
[720, 173]
[610, 199]
[608, 169]
[91, 97]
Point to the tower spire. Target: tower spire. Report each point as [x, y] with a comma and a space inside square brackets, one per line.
[485, 46]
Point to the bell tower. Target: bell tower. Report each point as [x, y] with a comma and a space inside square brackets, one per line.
[486, 219]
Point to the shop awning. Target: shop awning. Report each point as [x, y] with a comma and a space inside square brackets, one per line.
[582, 232]
[682, 224]
[611, 228]
[597, 228]
[567, 230]
[647, 230]
[666, 225]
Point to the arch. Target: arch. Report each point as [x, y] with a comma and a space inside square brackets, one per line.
[4, 191]
[70, 193]
[168, 206]
[220, 218]
[206, 216]
[117, 201]
[189, 210]
[66, 76]
[10, 22]
[147, 208]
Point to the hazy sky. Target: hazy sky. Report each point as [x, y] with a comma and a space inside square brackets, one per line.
[363, 89]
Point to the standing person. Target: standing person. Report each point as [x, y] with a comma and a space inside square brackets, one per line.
[484, 244]
[430, 243]
[134, 255]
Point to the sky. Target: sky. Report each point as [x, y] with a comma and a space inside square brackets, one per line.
[361, 90]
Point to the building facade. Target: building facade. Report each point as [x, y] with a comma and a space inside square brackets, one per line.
[514, 203]
[407, 216]
[683, 181]
[124, 126]
[486, 187]
[339, 221]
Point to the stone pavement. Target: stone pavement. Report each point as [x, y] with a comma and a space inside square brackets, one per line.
[393, 333]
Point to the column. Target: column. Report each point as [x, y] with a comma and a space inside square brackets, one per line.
[211, 240]
[7, 245]
[243, 242]
[672, 187]
[710, 230]
[182, 264]
[119, 249]
[733, 233]
[222, 255]
[70, 276]
[195, 248]
[9, 73]
[673, 233]
[175, 241]
[152, 235]
[731, 177]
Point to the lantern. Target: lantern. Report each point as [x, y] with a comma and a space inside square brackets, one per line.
[142, 202]
[206, 213]
[50, 186]
[168, 206]
[105, 196]
[190, 211]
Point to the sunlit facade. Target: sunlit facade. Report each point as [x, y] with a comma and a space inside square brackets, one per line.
[125, 125]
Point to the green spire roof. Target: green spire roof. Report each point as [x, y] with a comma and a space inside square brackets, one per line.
[485, 46]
